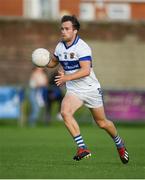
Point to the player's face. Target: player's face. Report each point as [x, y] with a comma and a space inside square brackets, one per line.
[68, 33]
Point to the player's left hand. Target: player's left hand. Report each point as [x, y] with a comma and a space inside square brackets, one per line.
[60, 79]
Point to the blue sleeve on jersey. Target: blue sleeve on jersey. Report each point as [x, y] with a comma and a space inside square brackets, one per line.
[86, 58]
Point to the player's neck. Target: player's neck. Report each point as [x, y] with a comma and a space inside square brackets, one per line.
[69, 43]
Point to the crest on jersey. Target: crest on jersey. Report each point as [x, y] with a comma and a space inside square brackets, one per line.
[72, 55]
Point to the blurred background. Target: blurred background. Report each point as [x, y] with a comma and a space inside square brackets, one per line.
[115, 30]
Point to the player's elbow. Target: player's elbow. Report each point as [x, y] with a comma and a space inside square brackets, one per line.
[87, 72]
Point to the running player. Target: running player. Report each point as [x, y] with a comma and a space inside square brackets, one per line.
[82, 86]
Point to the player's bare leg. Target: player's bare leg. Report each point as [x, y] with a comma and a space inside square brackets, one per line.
[104, 123]
[69, 106]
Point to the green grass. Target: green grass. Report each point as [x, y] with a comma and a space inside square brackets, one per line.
[46, 152]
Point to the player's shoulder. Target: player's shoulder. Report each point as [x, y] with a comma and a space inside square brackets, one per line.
[59, 44]
[82, 43]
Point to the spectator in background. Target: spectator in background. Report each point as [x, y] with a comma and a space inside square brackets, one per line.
[38, 84]
[55, 93]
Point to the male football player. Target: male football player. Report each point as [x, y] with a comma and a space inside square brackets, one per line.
[83, 88]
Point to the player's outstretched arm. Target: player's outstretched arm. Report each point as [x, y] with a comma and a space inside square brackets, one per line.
[53, 62]
[42, 58]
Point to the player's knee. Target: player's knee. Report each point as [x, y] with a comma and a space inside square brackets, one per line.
[65, 113]
[102, 124]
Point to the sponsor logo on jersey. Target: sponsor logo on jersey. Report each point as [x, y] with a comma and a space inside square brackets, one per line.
[65, 55]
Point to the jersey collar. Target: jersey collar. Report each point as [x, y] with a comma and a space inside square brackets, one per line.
[74, 42]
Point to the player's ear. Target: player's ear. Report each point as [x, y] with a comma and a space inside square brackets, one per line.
[75, 31]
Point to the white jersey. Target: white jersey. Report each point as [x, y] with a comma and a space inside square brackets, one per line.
[70, 57]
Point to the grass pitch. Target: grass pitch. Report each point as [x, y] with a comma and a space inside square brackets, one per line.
[47, 152]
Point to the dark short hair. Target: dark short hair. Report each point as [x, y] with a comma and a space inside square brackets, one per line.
[73, 19]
